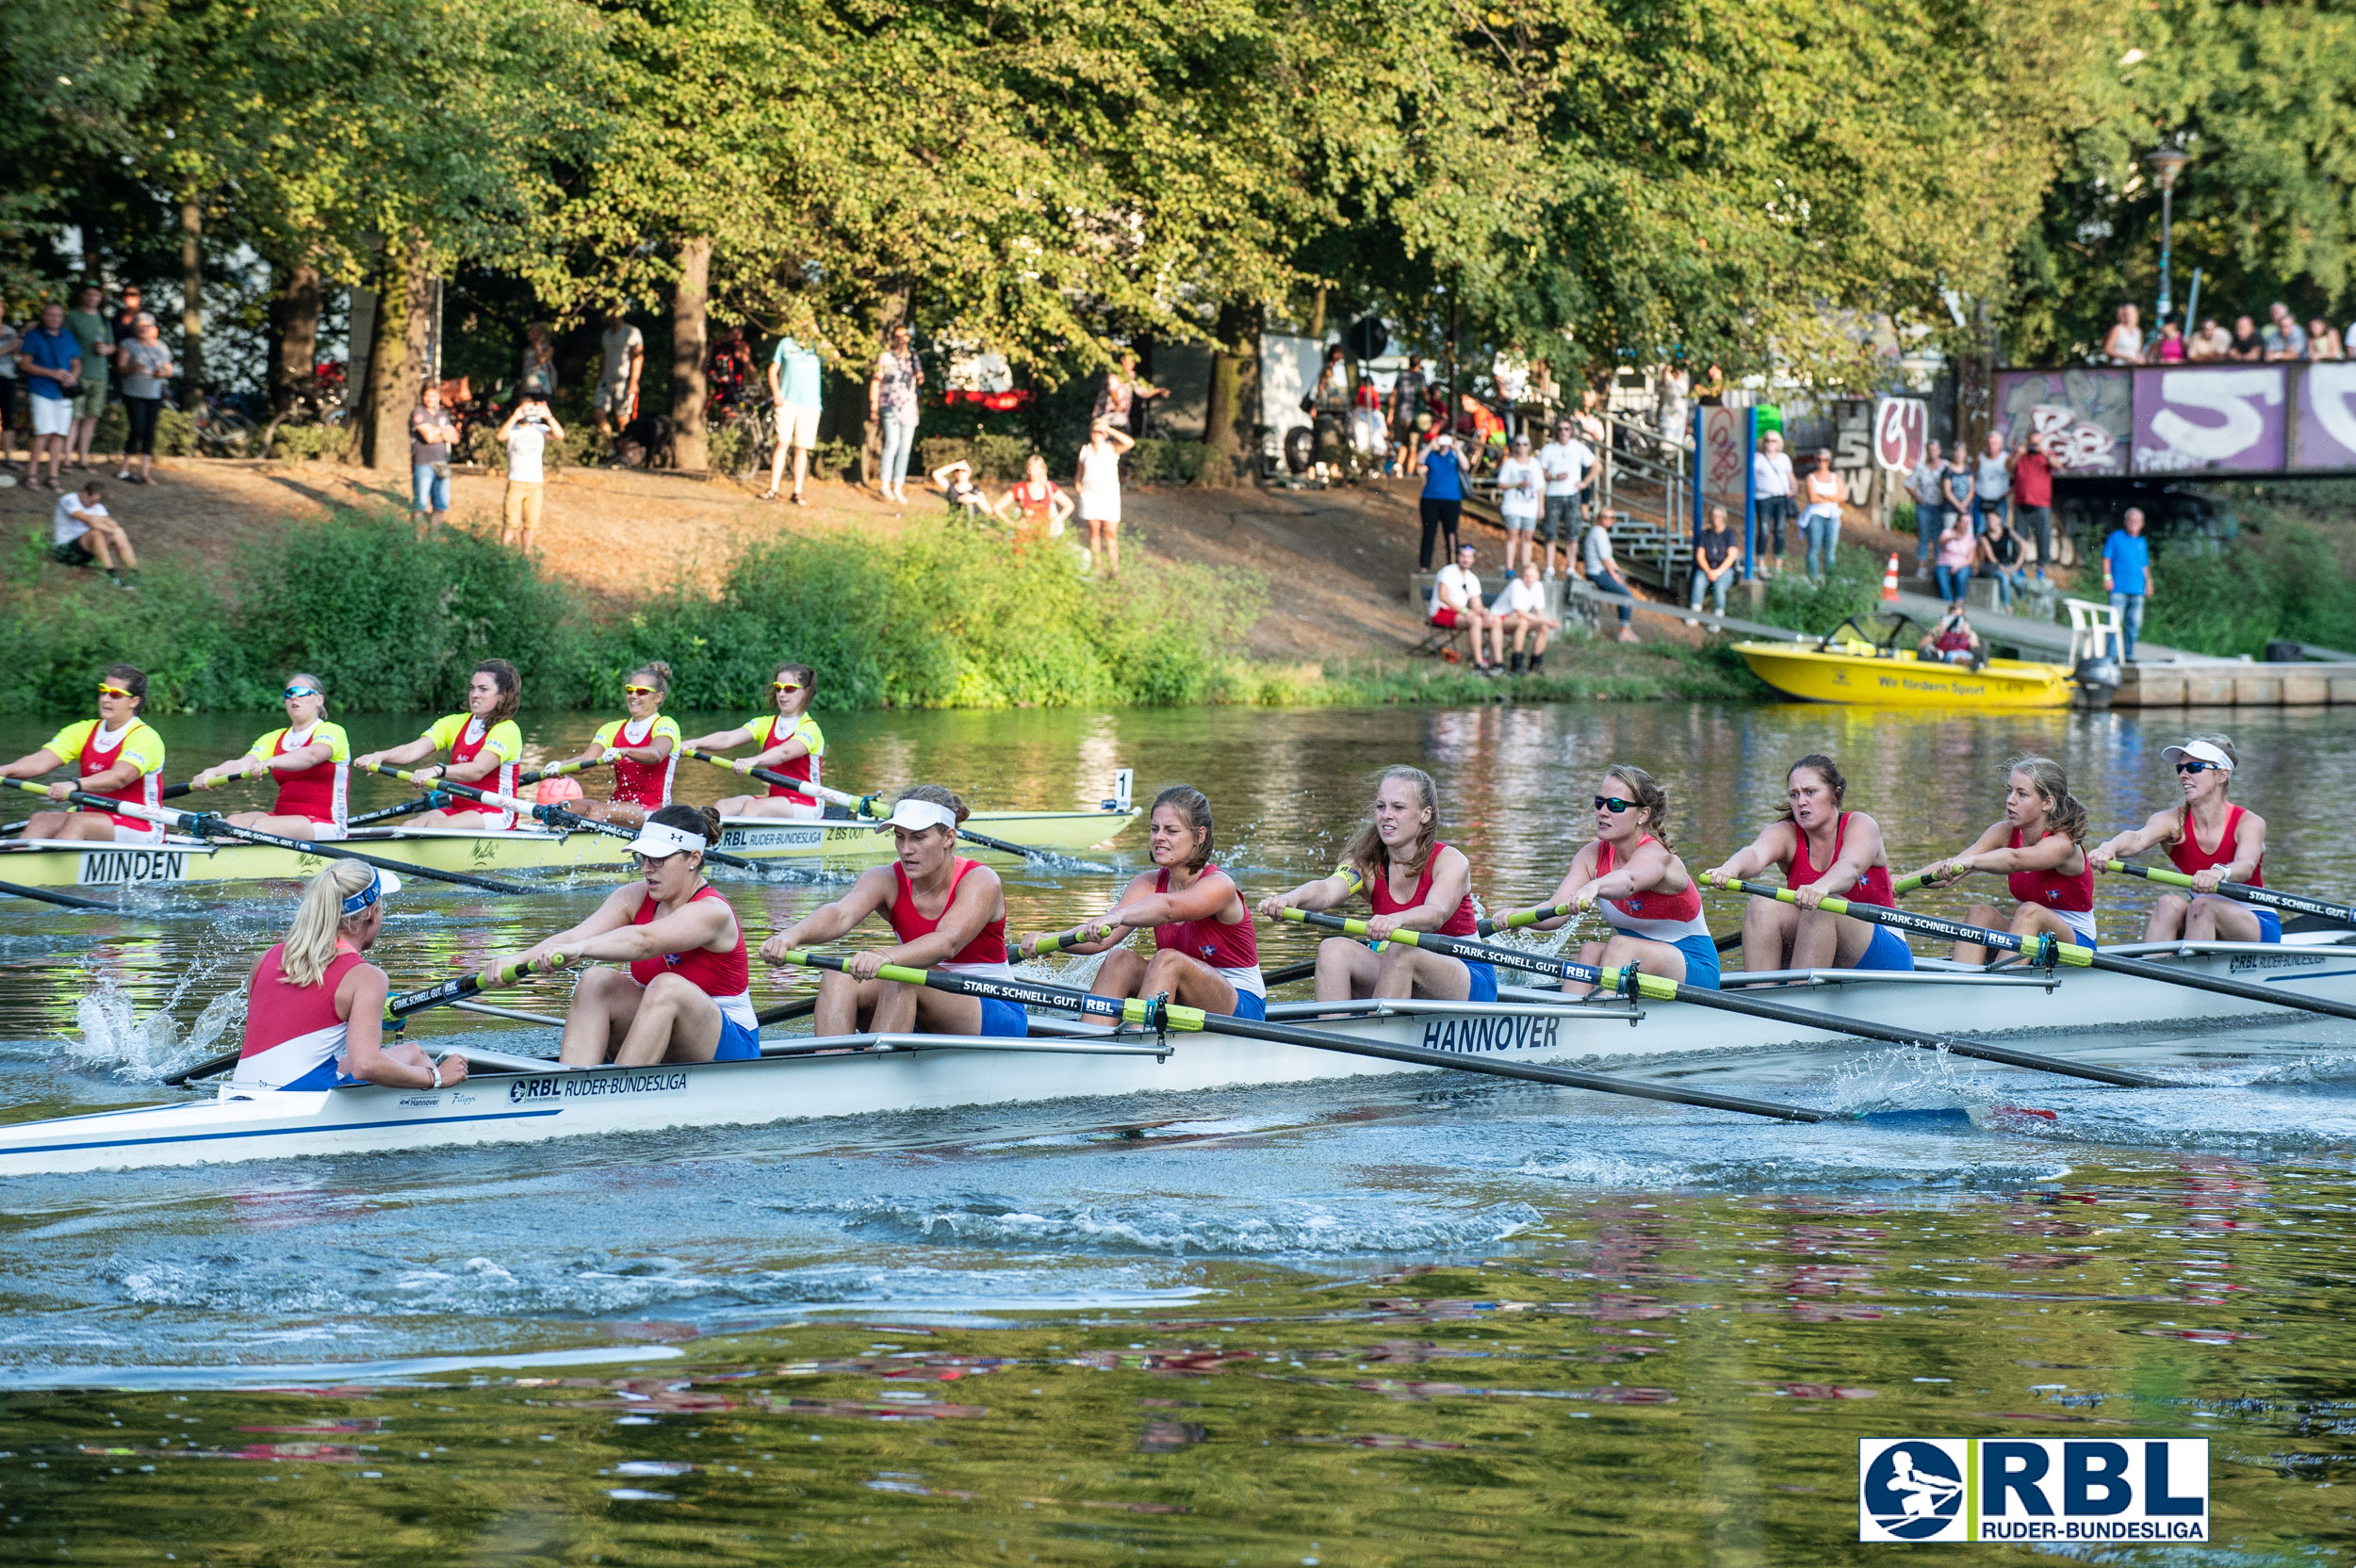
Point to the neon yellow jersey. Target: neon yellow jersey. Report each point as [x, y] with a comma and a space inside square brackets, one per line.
[139, 745]
[338, 743]
[806, 730]
[505, 741]
[664, 725]
[637, 782]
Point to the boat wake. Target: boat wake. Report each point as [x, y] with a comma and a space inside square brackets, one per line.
[1164, 1226]
[111, 1037]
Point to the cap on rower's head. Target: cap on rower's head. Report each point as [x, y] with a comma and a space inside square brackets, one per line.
[916, 816]
[660, 840]
[383, 885]
[2200, 751]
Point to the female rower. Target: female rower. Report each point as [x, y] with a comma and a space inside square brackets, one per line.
[1414, 883]
[315, 1007]
[1205, 954]
[1813, 831]
[483, 746]
[792, 744]
[2211, 841]
[116, 754]
[312, 761]
[949, 914]
[643, 749]
[2040, 846]
[687, 994]
[1631, 877]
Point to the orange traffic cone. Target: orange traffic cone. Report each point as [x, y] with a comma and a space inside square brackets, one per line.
[1889, 581]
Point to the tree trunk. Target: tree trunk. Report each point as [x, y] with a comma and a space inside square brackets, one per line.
[192, 366]
[689, 351]
[890, 312]
[1228, 423]
[294, 318]
[397, 357]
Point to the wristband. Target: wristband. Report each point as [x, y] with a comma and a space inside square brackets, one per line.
[437, 1072]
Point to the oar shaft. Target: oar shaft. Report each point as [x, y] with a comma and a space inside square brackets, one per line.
[2244, 892]
[861, 806]
[429, 802]
[66, 901]
[555, 816]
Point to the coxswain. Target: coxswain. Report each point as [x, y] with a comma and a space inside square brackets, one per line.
[116, 754]
[2039, 845]
[2211, 841]
[1205, 952]
[315, 1007]
[643, 750]
[687, 994]
[790, 741]
[310, 758]
[1629, 875]
[1413, 882]
[1823, 852]
[480, 747]
[948, 914]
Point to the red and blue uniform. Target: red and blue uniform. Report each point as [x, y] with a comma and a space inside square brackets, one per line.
[1888, 950]
[1673, 919]
[725, 977]
[984, 957]
[1463, 922]
[293, 1037]
[2189, 858]
[1231, 950]
[2071, 897]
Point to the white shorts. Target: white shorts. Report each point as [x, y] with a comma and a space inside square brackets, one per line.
[52, 415]
[153, 833]
[797, 425]
[1100, 508]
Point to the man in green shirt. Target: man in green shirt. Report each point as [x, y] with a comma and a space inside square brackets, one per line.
[88, 325]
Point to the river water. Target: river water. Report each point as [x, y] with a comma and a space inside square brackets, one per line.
[1405, 1321]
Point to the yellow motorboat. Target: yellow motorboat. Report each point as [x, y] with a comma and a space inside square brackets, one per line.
[1847, 665]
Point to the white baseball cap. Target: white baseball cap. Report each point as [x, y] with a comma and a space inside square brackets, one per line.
[918, 815]
[657, 841]
[2200, 751]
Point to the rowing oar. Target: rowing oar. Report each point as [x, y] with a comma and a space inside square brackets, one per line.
[1156, 1013]
[554, 815]
[1630, 981]
[2244, 892]
[170, 792]
[2045, 952]
[432, 801]
[1520, 918]
[861, 806]
[402, 1006]
[809, 1004]
[204, 823]
[68, 901]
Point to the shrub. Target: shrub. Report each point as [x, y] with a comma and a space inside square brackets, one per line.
[2285, 583]
[1854, 587]
[1159, 462]
[1001, 457]
[327, 443]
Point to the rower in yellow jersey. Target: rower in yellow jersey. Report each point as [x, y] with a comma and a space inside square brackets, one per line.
[483, 746]
[792, 744]
[116, 754]
[643, 750]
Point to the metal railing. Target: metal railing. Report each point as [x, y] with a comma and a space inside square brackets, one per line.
[1646, 479]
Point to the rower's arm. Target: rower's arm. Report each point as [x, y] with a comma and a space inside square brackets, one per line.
[1323, 893]
[361, 999]
[976, 901]
[308, 755]
[1113, 928]
[1206, 899]
[787, 750]
[2048, 854]
[2249, 847]
[481, 765]
[833, 921]
[1971, 859]
[648, 756]
[720, 739]
[2156, 830]
[1649, 867]
[1575, 878]
[615, 911]
[32, 766]
[693, 925]
[1859, 848]
[121, 776]
[401, 756]
[1772, 848]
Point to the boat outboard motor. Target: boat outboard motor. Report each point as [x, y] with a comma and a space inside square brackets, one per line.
[2097, 676]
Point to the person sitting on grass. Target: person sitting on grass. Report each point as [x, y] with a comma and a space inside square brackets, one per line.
[1522, 609]
[1952, 641]
[1456, 600]
[80, 524]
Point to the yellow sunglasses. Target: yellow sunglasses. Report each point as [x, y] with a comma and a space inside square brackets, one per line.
[787, 685]
[638, 691]
[106, 691]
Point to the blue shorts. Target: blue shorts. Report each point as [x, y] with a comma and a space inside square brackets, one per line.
[1701, 960]
[737, 1042]
[1484, 980]
[1005, 1018]
[1888, 951]
[1249, 1005]
[2269, 925]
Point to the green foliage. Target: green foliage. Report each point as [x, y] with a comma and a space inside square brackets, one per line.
[60, 626]
[330, 443]
[1156, 461]
[2286, 583]
[1853, 588]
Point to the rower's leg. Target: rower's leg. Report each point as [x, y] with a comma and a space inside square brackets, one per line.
[1405, 972]
[1345, 970]
[676, 1022]
[841, 999]
[605, 1001]
[942, 1012]
[286, 827]
[1980, 914]
[767, 805]
[1188, 981]
[1851, 938]
[622, 813]
[1816, 937]
[1649, 956]
[2167, 919]
[1121, 974]
[1768, 931]
[47, 825]
[2220, 919]
[896, 1008]
[88, 825]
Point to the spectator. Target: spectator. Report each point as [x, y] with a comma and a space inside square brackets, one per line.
[147, 372]
[1035, 509]
[126, 320]
[1716, 554]
[539, 360]
[1819, 525]
[892, 399]
[2211, 342]
[51, 361]
[1442, 503]
[2323, 341]
[1676, 406]
[527, 432]
[1456, 600]
[1098, 479]
[1992, 491]
[2171, 349]
[1566, 461]
[1522, 609]
[2033, 495]
[624, 350]
[1406, 408]
[794, 382]
[11, 344]
[81, 521]
[1329, 398]
[2284, 338]
[97, 340]
[1521, 497]
[1957, 485]
[2127, 577]
[1926, 484]
[2246, 345]
[2001, 557]
[956, 478]
[1772, 488]
[1958, 548]
[1952, 641]
[725, 376]
[2123, 344]
[1122, 403]
[431, 433]
[1603, 572]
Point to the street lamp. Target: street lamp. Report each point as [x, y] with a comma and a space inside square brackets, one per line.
[2166, 163]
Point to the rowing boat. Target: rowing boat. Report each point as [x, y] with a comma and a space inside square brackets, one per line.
[512, 1100]
[64, 863]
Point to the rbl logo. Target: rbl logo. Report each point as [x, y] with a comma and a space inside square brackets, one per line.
[2032, 1489]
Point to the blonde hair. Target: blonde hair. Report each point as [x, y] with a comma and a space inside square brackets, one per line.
[2183, 808]
[2064, 813]
[1367, 855]
[310, 945]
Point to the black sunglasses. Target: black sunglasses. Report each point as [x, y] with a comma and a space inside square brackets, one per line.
[2194, 767]
[1612, 803]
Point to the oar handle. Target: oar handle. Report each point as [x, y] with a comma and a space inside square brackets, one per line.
[2243, 893]
[1516, 919]
[1147, 1012]
[1623, 982]
[2039, 948]
[1078, 935]
[496, 977]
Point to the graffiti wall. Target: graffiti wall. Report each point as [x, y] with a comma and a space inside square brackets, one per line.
[2161, 420]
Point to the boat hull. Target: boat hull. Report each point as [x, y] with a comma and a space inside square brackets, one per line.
[1831, 675]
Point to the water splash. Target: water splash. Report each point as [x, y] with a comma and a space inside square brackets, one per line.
[110, 1035]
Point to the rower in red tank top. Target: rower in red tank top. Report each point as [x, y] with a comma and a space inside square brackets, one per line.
[115, 756]
[2208, 838]
[1627, 874]
[1205, 952]
[2038, 849]
[642, 751]
[483, 746]
[1403, 832]
[945, 912]
[311, 760]
[1854, 867]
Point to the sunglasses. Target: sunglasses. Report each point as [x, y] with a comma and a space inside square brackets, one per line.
[113, 691]
[787, 685]
[2194, 767]
[638, 691]
[300, 691]
[1613, 803]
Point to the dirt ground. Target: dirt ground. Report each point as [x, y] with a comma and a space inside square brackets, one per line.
[1337, 561]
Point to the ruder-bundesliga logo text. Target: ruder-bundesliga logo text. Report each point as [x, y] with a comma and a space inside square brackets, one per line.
[2153, 1490]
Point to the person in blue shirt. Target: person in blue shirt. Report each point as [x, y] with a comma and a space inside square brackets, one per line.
[1443, 497]
[2127, 577]
[793, 383]
[50, 359]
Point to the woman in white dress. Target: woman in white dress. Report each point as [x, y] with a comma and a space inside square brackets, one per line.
[1100, 492]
